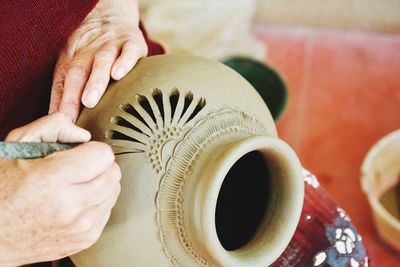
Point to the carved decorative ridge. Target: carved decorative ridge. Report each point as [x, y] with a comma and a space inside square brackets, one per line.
[169, 200]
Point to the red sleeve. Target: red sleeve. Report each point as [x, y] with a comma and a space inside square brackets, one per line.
[154, 48]
[32, 33]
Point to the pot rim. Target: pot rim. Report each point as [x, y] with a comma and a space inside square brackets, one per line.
[255, 252]
[383, 218]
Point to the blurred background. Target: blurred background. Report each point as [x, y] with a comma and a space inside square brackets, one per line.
[340, 60]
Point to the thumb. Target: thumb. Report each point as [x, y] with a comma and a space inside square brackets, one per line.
[56, 127]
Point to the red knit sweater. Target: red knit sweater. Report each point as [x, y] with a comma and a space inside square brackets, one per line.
[32, 33]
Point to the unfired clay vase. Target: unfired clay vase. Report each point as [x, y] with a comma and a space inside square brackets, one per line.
[206, 181]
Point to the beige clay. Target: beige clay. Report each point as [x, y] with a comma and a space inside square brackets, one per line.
[206, 181]
[380, 176]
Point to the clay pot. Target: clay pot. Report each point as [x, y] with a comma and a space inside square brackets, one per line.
[206, 181]
[380, 180]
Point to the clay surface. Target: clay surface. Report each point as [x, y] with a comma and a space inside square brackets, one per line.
[179, 126]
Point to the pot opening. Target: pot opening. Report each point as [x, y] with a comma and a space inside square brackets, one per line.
[243, 201]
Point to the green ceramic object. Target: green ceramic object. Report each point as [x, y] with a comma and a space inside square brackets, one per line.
[265, 80]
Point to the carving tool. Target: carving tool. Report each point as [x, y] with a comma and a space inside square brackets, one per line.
[30, 150]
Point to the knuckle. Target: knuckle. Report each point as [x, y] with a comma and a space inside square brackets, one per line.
[105, 55]
[73, 103]
[58, 85]
[133, 49]
[59, 118]
[57, 93]
[84, 225]
[144, 49]
[108, 152]
[93, 235]
[64, 216]
[113, 193]
[139, 45]
[99, 78]
[115, 172]
[117, 192]
[65, 212]
[15, 134]
[77, 71]
[105, 150]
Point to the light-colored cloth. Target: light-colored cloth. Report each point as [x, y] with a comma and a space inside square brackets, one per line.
[215, 29]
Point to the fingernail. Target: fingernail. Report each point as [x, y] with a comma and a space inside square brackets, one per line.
[85, 135]
[91, 98]
[119, 73]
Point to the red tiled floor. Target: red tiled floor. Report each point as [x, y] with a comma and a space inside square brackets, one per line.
[344, 94]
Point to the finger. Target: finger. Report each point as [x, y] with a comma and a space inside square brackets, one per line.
[80, 164]
[57, 87]
[70, 133]
[89, 230]
[105, 186]
[100, 75]
[52, 128]
[131, 52]
[75, 80]
[93, 220]
[83, 232]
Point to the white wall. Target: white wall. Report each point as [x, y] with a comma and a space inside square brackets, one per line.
[370, 15]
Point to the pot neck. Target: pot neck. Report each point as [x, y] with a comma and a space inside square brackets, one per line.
[244, 201]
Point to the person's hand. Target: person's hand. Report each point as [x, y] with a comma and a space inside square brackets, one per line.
[55, 127]
[56, 206]
[107, 44]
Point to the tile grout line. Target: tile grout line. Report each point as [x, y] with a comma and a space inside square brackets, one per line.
[303, 100]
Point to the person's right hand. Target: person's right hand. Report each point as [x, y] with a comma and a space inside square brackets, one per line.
[56, 206]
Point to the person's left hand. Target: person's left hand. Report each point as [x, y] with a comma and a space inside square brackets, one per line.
[108, 43]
